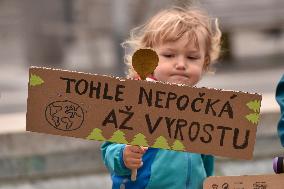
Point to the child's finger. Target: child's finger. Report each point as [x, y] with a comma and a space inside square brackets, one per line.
[137, 149]
[135, 165]
[135, 161]
[144, 148]
[135, 155]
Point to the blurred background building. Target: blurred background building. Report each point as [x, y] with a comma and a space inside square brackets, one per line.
[85, 35]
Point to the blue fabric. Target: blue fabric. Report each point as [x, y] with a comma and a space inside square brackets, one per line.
[169, 170]
[111, 154]
[280, 100]
[161, 168]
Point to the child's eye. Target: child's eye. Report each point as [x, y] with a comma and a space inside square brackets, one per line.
[193, 57]
[168, 55]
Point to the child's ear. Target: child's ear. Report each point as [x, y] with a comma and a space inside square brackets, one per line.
[206, 63]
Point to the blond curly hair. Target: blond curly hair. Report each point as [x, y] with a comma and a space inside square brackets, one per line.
[170, 25]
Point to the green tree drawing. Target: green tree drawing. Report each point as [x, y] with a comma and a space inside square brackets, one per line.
[254, 105]
[118, 137]
[35, 80]
[161, 142]
[178, 145]
[139, 140]
[253, 118]
[96, 134]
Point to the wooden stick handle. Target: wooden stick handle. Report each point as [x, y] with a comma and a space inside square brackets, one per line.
[133, 174]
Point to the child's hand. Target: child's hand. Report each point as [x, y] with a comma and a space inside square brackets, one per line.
[132, 156]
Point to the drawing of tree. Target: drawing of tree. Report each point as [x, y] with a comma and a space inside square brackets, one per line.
[139, 140]
[253, 118]
[96, 134]
[118, 137]
[35, 80]
[254, 105]
[178, 145]
[161, 142]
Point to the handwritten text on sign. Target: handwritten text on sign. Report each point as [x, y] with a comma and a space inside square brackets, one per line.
[275, 181]
[143, 113]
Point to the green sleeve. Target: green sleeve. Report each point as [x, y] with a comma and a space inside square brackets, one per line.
[112, 155]
[208, 161]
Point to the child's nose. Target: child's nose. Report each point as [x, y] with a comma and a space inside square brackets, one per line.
[180, 64]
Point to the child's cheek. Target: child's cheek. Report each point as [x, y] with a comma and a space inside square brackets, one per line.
[197, 77]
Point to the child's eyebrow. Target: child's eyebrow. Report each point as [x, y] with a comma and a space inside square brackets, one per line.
[168, 49]
[193, 52]
[189, 51]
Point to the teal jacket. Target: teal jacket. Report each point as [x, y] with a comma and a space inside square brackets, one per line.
[161, 168]
[280, 100]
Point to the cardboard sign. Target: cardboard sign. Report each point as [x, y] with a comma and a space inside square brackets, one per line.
[153, 114]
[245, 182]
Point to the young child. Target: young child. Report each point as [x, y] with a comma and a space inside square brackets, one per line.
[280, 100]
[186, 43]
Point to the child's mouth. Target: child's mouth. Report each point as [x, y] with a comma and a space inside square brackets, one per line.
[179, 76]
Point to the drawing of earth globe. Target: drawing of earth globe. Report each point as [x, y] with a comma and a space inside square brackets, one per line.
[64, 115]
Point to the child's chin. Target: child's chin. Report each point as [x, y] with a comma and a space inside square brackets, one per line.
[181, 81]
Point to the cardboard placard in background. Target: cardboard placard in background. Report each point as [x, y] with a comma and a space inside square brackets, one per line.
[154, 114]
[245, 182]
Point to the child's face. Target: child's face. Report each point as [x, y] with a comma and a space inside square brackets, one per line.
[180, 62]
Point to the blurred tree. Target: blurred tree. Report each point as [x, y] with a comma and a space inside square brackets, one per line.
[140, 140]
[226, 53]
[161, 142]
[118, 137]
[178, 145]
[43, 46]
[96, 134]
